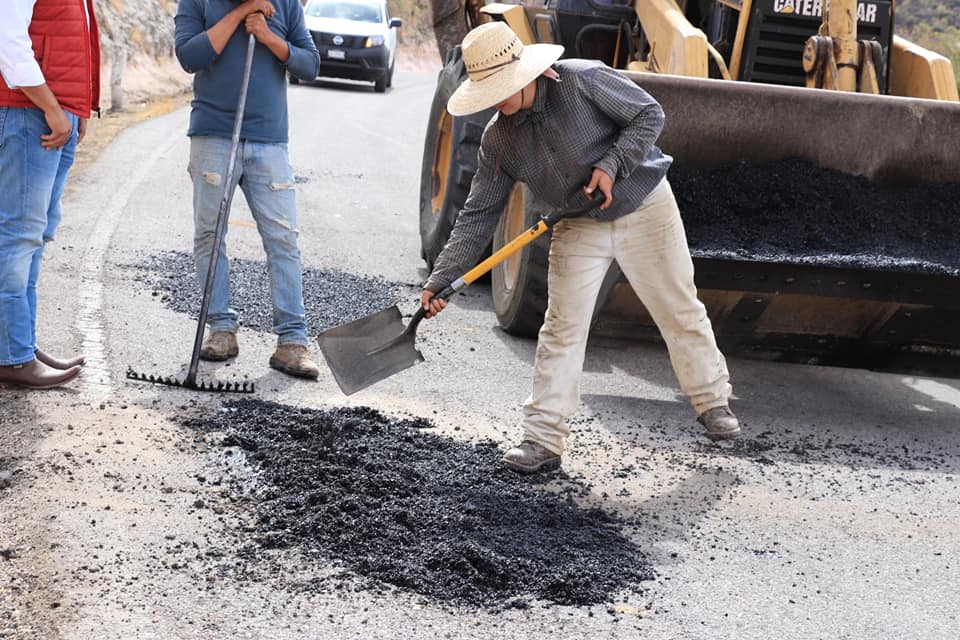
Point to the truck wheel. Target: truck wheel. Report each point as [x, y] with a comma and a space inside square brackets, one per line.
[519, 283]
[380, 84]
[449, 161]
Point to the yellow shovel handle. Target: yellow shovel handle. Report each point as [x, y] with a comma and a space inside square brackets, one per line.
[505, 252]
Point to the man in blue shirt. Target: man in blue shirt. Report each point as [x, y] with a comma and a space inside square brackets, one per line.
[211, 44]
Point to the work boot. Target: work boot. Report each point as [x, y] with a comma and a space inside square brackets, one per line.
[57, 363]
[220, 346]
[295, 360]
[530, 457]
[720, 423]
[36, 375]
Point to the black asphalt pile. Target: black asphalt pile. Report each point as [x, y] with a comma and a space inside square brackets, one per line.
[396, 504]
[798, 212]
[330, 297]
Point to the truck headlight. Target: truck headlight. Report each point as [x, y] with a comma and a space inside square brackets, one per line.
[374, 41]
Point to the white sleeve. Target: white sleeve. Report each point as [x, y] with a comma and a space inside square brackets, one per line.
[17, 63]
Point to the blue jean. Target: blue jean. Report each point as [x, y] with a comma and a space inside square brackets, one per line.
[31, 185]
[650, 246]
[265, 176]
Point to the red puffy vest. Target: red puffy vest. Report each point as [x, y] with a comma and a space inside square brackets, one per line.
[68, 51]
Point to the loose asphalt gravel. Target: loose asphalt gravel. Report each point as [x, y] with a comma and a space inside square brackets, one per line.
[796, 211]
[399, 504]
[331, 297]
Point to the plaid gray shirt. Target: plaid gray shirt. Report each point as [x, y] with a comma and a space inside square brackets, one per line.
[594, 117]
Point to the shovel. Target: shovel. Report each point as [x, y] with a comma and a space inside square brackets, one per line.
[375, 347]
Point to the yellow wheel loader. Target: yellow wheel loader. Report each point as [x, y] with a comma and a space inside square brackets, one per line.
[816, 165]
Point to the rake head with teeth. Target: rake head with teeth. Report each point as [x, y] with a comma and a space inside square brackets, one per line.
[192, 383]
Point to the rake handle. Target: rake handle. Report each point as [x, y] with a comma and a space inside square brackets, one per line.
[222, 215]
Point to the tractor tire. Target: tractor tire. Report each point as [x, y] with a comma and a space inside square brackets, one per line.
[519, 283]
[449, 161]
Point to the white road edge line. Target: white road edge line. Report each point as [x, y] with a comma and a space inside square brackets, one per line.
[96, 377]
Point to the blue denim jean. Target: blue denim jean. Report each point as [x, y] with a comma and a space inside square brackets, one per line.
[31, 185]
[265, 176]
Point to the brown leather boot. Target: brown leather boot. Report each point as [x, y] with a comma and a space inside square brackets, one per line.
[530, 457]
[36, 375]
[294, 360]
[57, 363]
[720, 423]
[219, 346]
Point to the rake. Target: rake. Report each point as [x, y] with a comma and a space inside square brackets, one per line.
[190, 382]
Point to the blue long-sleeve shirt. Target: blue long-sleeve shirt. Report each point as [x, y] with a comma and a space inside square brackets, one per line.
[217, 78]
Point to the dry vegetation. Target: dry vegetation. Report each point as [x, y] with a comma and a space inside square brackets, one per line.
[933, 24]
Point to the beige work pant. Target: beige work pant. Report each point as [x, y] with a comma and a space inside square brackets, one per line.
[651, 248]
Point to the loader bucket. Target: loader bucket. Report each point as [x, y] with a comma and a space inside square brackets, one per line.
[888, 139]
[823, 225]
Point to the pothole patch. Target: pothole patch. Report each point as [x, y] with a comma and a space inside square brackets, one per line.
[331, 297]
[394, 503]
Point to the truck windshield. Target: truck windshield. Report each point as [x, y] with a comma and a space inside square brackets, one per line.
[356, 11]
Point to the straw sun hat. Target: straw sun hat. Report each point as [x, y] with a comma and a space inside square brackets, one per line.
[498, 65]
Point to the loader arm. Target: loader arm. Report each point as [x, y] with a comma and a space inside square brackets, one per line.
[920, 73]
[676, 46]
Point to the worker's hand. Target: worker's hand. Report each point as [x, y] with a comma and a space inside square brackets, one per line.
[257, 25]
[258, 6]
[431, 304]
[601, 180]
[60, 129]
[81, 130]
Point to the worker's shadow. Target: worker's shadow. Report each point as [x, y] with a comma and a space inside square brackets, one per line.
[659, 522]
[804, 415]
[798, 413]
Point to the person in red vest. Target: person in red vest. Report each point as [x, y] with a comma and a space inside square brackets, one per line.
[50, 68]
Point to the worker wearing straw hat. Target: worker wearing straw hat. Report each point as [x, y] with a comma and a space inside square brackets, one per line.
[563, 128]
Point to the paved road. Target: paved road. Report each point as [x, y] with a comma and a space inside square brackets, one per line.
[834, 517]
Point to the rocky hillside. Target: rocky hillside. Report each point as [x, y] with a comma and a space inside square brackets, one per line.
[137, 41]
[934, 24]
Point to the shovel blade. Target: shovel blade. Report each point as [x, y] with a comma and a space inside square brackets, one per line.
[365, 351]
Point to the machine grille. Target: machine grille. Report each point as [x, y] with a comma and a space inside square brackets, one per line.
[775, 40]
